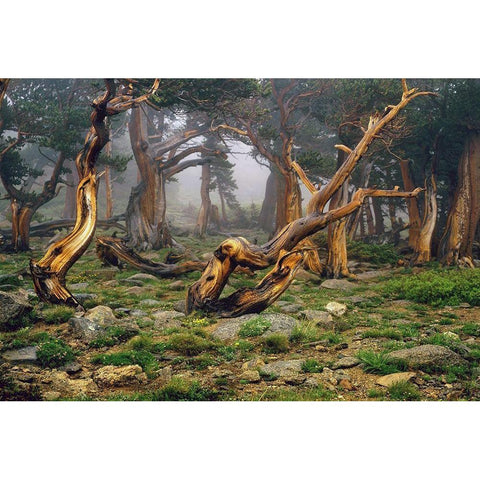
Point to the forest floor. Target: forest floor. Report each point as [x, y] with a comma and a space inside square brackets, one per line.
[137, 346]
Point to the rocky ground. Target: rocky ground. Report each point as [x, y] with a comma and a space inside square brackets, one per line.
[323, 340]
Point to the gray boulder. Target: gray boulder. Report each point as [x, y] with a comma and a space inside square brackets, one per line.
[283, 368]
[12, 307]
[21, 355]
[428, 356]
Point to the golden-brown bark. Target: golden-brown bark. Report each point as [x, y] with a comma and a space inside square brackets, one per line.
[457, 240]
[204, 294]
[49, 273]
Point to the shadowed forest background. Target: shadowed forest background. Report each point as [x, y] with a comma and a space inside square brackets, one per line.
[255, 239]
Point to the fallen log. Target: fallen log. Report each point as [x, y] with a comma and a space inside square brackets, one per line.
[113, 251]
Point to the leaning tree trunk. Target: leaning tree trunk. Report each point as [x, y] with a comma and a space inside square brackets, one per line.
[21, 220]
[412, 205]
[379, 224]
[266, 217]
[206, 206]
[49, 273]
[457, 241]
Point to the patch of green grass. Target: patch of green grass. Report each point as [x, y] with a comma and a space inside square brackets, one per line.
[179, 389]
[404, 391]
[204, 360]
[129, 357]
[54, 353]
[227, 352]
[113, 336]
[305, 332]
[471, 329]
[375, 393]
[447, 286]
[267, 377]
[57, 314]
[189, 344]
[378, 362]
[275, 343]
[383, 333]
[254, 327]
[312, 366]
[332, 338]
[443, 340]
[373, 253]
[319, 393]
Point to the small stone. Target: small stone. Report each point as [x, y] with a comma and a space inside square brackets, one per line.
[78, 286]
[346, 384]
[143, 277]
[253, 364]
[291, 308]
[81, 297]
[51, 396]
[179, 306]
[451, 335]
[283, 368]
[135, 290]
[12, 307]
[250, 376]
[335, 284]
[112, 376]
[177, 286]
[85, 329]
[138, 313]
[21, 355]
[111, 283]
[346, 362]
[101, 314]
[389, 380]
[72, 367]
[221, 373]
[322, 319]
[336, 309]
[311, 382]
[150, 302]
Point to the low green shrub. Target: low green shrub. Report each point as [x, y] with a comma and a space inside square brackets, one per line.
[189, 344]
[373, 253]
[312, 366]
[404, 391]
[57, 314]
[378, 362]
[275, 343]
[254, 327]
[54, 353]
[437, 287]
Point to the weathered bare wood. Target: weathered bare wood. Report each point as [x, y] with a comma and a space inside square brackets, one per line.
[114, 251]
[49, 273]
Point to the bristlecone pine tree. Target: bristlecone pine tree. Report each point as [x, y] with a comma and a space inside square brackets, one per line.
[49, 273]
[286, 249]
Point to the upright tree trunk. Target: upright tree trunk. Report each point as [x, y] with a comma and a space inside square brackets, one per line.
[205, 208]
[224, 218]
[266, 217]
[21, 219]
[108, 184]
[379, 224]
[369, 217]
[337, 235]
[412, 205]
[289, 200]
[457, 241]
[147, 207]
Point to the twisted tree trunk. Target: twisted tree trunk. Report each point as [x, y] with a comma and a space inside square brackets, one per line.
[457, 241]
[49, 273]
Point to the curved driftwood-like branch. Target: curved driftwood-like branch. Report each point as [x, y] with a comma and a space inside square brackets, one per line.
[114, 251]
[49, 273]
[258, 298]
[204, 294]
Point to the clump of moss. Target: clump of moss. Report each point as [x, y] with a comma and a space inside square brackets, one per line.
[189, 344]
[54, 353]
